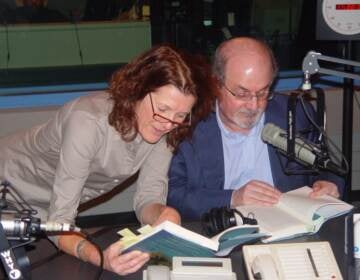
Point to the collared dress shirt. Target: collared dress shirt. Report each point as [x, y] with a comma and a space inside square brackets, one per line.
[246, 156]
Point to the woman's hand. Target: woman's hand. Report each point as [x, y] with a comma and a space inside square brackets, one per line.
[168, 214]
[123, 264]
[156, 213]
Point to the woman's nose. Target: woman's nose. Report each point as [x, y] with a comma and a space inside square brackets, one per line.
[169, 125]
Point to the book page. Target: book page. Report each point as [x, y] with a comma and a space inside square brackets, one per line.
[235, 236]
[235, 232]
[299, 204]
[189, 235]
[273, 220]
[309, 209]
[228, 245]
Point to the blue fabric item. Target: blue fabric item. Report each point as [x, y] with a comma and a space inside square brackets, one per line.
[196, 175]
[237, 145]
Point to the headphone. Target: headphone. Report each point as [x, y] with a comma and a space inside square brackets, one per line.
[219, 219]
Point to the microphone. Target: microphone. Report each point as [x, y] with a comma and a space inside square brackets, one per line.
[17, 221]
[307, 154]
[21, 226]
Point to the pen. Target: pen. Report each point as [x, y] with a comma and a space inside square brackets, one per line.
[312, 262]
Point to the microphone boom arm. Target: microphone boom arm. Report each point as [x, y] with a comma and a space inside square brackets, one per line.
[311, 66]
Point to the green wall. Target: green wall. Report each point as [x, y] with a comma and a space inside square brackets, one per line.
[51, 45]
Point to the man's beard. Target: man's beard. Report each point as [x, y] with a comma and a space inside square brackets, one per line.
[247, 119]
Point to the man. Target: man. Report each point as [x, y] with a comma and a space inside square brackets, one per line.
[226, 163]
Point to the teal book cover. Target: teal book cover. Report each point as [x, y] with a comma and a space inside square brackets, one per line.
[169, 240]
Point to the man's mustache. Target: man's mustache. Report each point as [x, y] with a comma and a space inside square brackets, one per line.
[249, 113]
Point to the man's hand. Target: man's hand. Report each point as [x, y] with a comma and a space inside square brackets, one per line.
[123, 264]
[257, 193]
[324, 187]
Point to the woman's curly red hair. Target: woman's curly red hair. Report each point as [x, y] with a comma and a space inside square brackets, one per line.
[161, 65]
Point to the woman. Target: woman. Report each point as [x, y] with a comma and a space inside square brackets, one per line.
[95, 142]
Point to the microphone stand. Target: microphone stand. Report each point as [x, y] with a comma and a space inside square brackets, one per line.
[12, 252]
[311, 66]
[15, 263]
[291, 135]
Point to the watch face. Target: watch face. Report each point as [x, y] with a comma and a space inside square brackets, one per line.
[342, 16]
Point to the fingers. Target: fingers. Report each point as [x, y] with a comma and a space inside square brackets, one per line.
[265, 188]
[258, 193]
[335, 193]
[129, 262]
[169, 214]
[114, 250]
[126, 263]
[261, 197]
[324, 187]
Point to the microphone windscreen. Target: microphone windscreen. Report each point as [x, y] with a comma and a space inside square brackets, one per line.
[277, 137]
[271, 134]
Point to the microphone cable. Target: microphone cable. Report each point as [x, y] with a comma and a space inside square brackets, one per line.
[77, 36]
[307, 143]
[327, 139]
[357, 99]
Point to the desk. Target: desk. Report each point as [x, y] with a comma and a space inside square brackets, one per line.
[68, 267]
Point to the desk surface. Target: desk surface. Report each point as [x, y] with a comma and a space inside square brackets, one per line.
[68, 267]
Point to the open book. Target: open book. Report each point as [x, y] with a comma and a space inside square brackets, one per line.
[169, 240]
[295, 214]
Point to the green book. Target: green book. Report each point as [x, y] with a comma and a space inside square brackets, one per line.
[170, 240]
